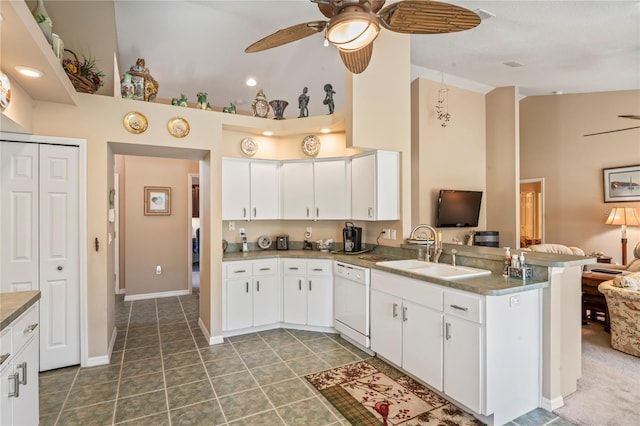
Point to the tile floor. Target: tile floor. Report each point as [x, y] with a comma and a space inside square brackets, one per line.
[163, 372]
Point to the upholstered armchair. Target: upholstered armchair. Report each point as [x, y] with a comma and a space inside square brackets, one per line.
[634, 265]
[624, 312]
[557, 249]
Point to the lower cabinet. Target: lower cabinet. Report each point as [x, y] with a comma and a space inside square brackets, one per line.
[307, 287]
[19, 371]
[252, 294]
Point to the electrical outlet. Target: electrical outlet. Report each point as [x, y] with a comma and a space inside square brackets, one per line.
[241, 231]
[514, 301]
[309, 230]
[158, 270]
[387, 234]
[393, 234]
[232, 225]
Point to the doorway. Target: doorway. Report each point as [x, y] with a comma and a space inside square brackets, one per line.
[194, 224]
[531, 212]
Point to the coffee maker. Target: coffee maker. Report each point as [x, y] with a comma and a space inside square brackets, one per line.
[352, 237]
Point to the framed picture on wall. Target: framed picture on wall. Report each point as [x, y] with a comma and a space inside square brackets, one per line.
[157, 201]
[621, 184]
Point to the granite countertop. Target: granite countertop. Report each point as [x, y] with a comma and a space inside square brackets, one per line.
[13, 304]
[491, 285]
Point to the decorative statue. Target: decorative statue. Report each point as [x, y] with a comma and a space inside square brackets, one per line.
[328, 99]
[230, 109]
[303, 101]
[202, 100]
[182, 101]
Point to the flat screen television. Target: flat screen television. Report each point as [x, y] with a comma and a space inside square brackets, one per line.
[458, 209]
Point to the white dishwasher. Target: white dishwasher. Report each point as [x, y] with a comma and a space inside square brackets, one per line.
[351, 302]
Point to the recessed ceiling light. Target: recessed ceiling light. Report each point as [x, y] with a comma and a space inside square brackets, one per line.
[513, 64]
[267, 133]
[325, 130]
[251, 82]
[557, 92]
[484, 14]
[29, 72]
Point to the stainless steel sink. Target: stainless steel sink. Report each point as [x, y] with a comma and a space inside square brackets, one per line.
[436, 270]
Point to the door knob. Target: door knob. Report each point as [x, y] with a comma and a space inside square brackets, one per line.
[59, 268]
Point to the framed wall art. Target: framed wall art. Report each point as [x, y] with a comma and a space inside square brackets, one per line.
[621, 184]
[157, 201]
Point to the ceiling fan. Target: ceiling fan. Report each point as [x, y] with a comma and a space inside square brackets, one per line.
[632, 116]
[353, 25]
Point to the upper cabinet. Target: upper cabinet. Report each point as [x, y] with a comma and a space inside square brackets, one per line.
[375, 186]
[250, 189]
[315, 190]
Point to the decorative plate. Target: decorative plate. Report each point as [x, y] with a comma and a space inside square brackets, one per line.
[135, 122]
[311, 145]
[249, 146]
[5, 90]
[178, 127]
[264, 242]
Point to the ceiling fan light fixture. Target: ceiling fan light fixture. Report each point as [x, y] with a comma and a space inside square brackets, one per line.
[353, 30]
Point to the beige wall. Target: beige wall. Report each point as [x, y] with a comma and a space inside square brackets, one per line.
[156, 240]
[553, 147]
[451, 157]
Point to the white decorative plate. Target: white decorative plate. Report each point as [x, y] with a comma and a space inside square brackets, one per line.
[249, 146]
[178, 127]
[311, 145]
[135, 122]
[5, 91]
[264, 242]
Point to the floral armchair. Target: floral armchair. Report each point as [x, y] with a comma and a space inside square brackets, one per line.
[623, 300]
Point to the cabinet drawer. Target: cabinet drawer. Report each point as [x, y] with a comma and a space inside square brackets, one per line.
[294, 267]
[238, 270]
[417, 291]
[25, 327]
[5, 346]
[319, 267]
[265, 267]
[463, 305]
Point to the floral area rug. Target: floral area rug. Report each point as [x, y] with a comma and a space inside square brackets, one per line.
[372, 392]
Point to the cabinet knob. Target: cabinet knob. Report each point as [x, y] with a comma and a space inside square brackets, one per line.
[30, 328]
[59, 268]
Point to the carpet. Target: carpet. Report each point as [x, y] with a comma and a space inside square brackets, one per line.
[609, 389]
[372, 392]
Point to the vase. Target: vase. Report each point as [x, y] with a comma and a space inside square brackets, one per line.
[259, 106]
[126, 87]
[278, 107]
[44, 21]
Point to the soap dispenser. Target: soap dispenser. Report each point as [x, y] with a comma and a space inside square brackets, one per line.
[507, 262]
[245, 248]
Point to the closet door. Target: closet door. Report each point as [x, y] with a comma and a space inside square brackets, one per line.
[59, 263]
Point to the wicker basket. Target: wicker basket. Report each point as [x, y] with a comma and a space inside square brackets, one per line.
[80, 83]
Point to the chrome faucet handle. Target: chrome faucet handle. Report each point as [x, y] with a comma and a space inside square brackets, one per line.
[453, 257]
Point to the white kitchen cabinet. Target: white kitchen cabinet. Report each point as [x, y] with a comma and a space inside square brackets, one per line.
[315, 189]
[375, 186]
[250, 189]
[307, 292]
[251, 294]
[19, 370]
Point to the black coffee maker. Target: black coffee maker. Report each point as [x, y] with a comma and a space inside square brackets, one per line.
[352, 237]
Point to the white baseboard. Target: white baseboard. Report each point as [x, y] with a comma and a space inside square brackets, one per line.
[94, 361]
[156, 295]
[552, 404]
[213, 340]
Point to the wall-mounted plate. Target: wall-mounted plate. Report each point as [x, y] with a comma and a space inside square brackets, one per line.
[135, 122]
[178, 127]
[311, 145]
[249, 146]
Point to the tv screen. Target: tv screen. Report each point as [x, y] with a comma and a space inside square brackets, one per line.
[458, 209]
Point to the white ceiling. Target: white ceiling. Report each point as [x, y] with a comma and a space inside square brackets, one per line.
[192, 46]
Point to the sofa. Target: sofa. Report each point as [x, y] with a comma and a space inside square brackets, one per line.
[623, 300]
[556, 248]
[634, 265]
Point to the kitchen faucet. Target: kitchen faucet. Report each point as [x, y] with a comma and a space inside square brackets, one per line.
[437, 251]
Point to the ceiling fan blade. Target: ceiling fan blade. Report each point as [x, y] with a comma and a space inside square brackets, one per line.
[376, 5]
[329, 10]
[427, 17]
[633, 116]
[287, 35]
[357, 61]
[613, 131]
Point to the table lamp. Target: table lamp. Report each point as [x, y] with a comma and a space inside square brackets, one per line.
[624, 216]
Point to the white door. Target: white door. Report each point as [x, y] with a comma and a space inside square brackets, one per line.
[239, 304]
[266, 300]
[294, 290]
[59, 265]
[463, 362]
[330, 183]
[320, 301]
[20, 216]
[297, 192]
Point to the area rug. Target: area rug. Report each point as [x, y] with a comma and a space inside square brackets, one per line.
[372, 392]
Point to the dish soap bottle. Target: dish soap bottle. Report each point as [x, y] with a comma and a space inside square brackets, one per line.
[507, 262]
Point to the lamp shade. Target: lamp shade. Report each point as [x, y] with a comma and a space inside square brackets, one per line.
[628, 216]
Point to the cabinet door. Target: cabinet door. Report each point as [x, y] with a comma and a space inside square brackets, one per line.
[265, 190]
[7, 385]
[462, 366]
[239, 304]
[294, 290]
[266, 300]
[235, 189]
[330, 189]
[363, 186]
[422, 343]
[26, 407]
[386, 326]
[297, 190]
[320, 301]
